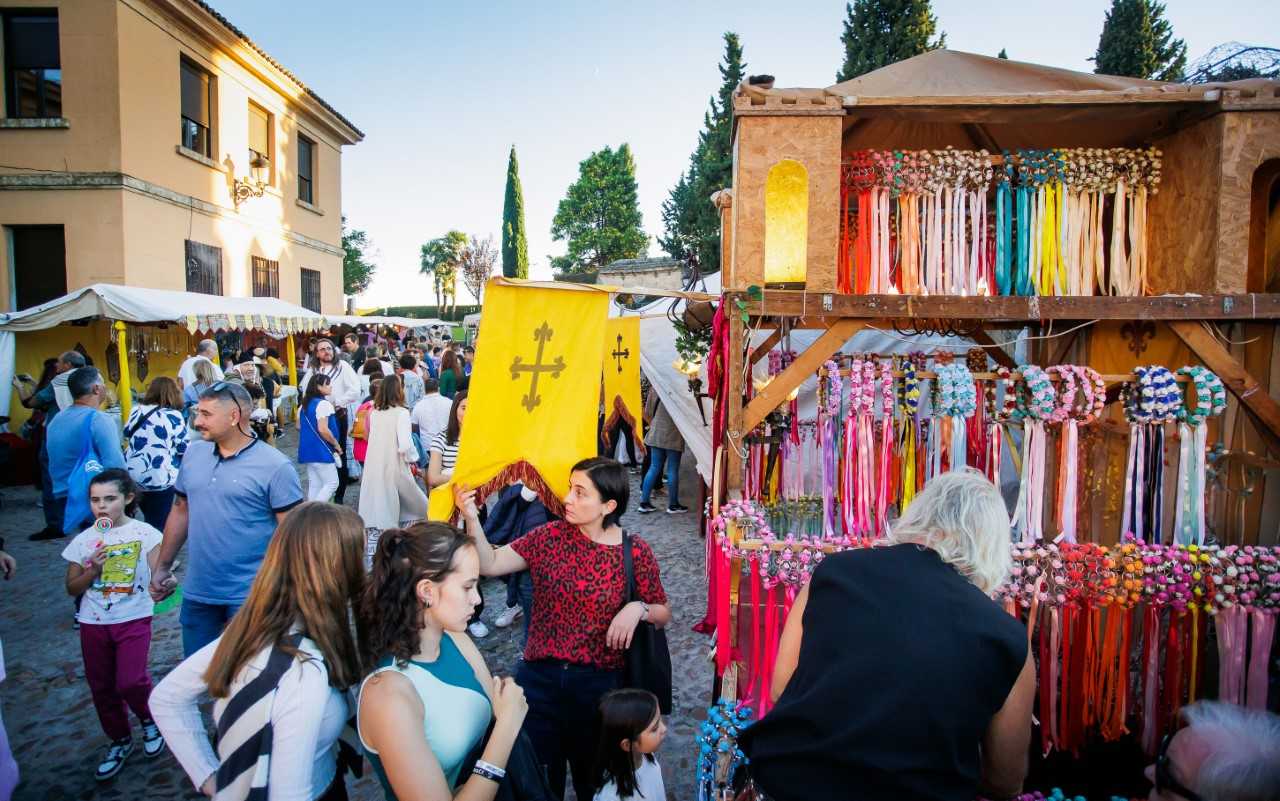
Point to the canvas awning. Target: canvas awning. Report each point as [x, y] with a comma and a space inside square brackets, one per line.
[194, 311]
[944, 97]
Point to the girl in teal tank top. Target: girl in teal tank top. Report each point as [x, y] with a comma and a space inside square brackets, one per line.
[429, 698]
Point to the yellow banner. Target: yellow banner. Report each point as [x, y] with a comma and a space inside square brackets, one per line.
[534, 393]
[622, 382]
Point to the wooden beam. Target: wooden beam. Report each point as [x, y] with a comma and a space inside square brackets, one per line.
[805, 365]
[1003, 359]
[734, 432]
[1064, 346]
[1252, 395]
[759, 353]
[981, 137]
[815, 305]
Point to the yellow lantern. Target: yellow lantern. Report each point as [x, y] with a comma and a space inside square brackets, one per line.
[786, 223]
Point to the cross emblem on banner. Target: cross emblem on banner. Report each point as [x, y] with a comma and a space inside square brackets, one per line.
[541, 334]
[619, 354]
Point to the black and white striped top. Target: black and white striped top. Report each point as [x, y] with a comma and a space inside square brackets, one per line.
[448, 453]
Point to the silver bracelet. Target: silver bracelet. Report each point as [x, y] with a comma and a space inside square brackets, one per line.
[489, 771]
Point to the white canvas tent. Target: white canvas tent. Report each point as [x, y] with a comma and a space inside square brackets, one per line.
[140, 305]
[372, 319]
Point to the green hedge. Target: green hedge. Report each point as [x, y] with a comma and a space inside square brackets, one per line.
[424, 312]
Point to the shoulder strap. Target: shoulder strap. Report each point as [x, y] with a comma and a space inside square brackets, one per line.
[628, 568]
[129, 432]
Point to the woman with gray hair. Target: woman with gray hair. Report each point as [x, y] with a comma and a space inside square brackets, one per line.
[1223, 753]
[897, 675]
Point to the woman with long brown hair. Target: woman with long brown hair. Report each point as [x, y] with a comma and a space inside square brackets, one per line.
[155, 438]
[430, 698]
[389, 494]
[279, 671]
[450, 373]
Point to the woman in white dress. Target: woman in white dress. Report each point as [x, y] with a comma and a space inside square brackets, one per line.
[389, 494]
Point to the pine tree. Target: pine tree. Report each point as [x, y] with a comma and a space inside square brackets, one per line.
[515, 242]
[600, 215]
[878, 33]
[1137, 41]
[691, 224]
[1003, 54]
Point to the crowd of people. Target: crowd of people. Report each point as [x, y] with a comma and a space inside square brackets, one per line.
[271, 572]
[328, 637]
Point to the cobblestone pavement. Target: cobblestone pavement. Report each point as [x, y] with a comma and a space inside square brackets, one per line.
[55, 733]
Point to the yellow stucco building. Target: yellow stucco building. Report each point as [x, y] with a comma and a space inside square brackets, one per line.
[151, 143]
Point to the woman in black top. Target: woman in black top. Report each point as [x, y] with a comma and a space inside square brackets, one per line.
[897, 676]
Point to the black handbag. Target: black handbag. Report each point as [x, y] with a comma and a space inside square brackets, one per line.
[648, 660]
[526, 780]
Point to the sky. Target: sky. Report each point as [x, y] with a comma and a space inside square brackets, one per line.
[442, 90]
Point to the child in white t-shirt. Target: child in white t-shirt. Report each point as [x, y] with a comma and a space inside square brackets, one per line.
[111, 564]
[631, 729]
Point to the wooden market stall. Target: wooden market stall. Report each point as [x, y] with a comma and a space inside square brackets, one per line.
[156, 329]
[831, 225]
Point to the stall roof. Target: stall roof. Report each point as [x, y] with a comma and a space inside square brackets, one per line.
[947, 96]
[197, 312]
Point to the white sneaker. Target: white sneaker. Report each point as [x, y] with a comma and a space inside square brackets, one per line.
[508, 617]
[114, 760]
[478, 629]
[152, 740]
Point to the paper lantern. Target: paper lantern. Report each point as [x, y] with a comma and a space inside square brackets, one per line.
[786, 223]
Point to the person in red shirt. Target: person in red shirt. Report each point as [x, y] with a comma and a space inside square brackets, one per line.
[579, 628]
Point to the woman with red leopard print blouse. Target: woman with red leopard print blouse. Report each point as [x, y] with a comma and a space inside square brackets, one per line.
[580, 627]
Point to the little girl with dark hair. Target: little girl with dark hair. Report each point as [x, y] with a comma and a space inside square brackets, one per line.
[631, 729]
[110, 565]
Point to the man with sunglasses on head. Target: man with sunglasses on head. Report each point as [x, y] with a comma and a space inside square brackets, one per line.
[345, 394]
[231, 492]
[1224, 752]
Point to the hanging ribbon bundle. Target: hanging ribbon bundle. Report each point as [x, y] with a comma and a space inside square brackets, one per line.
[1149, 405]
[1033, 408]
[917, 221]
[1086, 382]
[908, 434]
[957, 401]
[829, 414]
[1210, 401]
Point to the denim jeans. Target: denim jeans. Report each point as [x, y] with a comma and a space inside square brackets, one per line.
[155, 506]
[52, 513]
[672, 460]
[520, 591]
[561, 721]
[202, 623]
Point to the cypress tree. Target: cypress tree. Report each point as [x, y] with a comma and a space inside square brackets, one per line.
[1003, 54]
[1137, 41]
[515, 243]
[691, 224]
[878, 33]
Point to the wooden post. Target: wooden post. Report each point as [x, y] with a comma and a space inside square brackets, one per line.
[805, 365]
[291, 355]
[734, 432]
[1252, 395]
[123, 386]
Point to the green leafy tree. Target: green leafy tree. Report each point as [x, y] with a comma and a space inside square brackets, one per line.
[1137, 41]
[515, 242]
[878, 33]
[691, 225]
[357, 263]
[600, 217]
[440, 258]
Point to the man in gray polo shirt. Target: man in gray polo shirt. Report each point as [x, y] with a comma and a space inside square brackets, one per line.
[231, 492]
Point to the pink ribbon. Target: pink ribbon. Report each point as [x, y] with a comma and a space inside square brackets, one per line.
[1264, 627]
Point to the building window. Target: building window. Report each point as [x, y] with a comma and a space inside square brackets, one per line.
[311, 289]
[260, 149]
[39, 264]
[32, 65]
[204, 268]
[306, 169]
[266, 278]
[197, 104]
